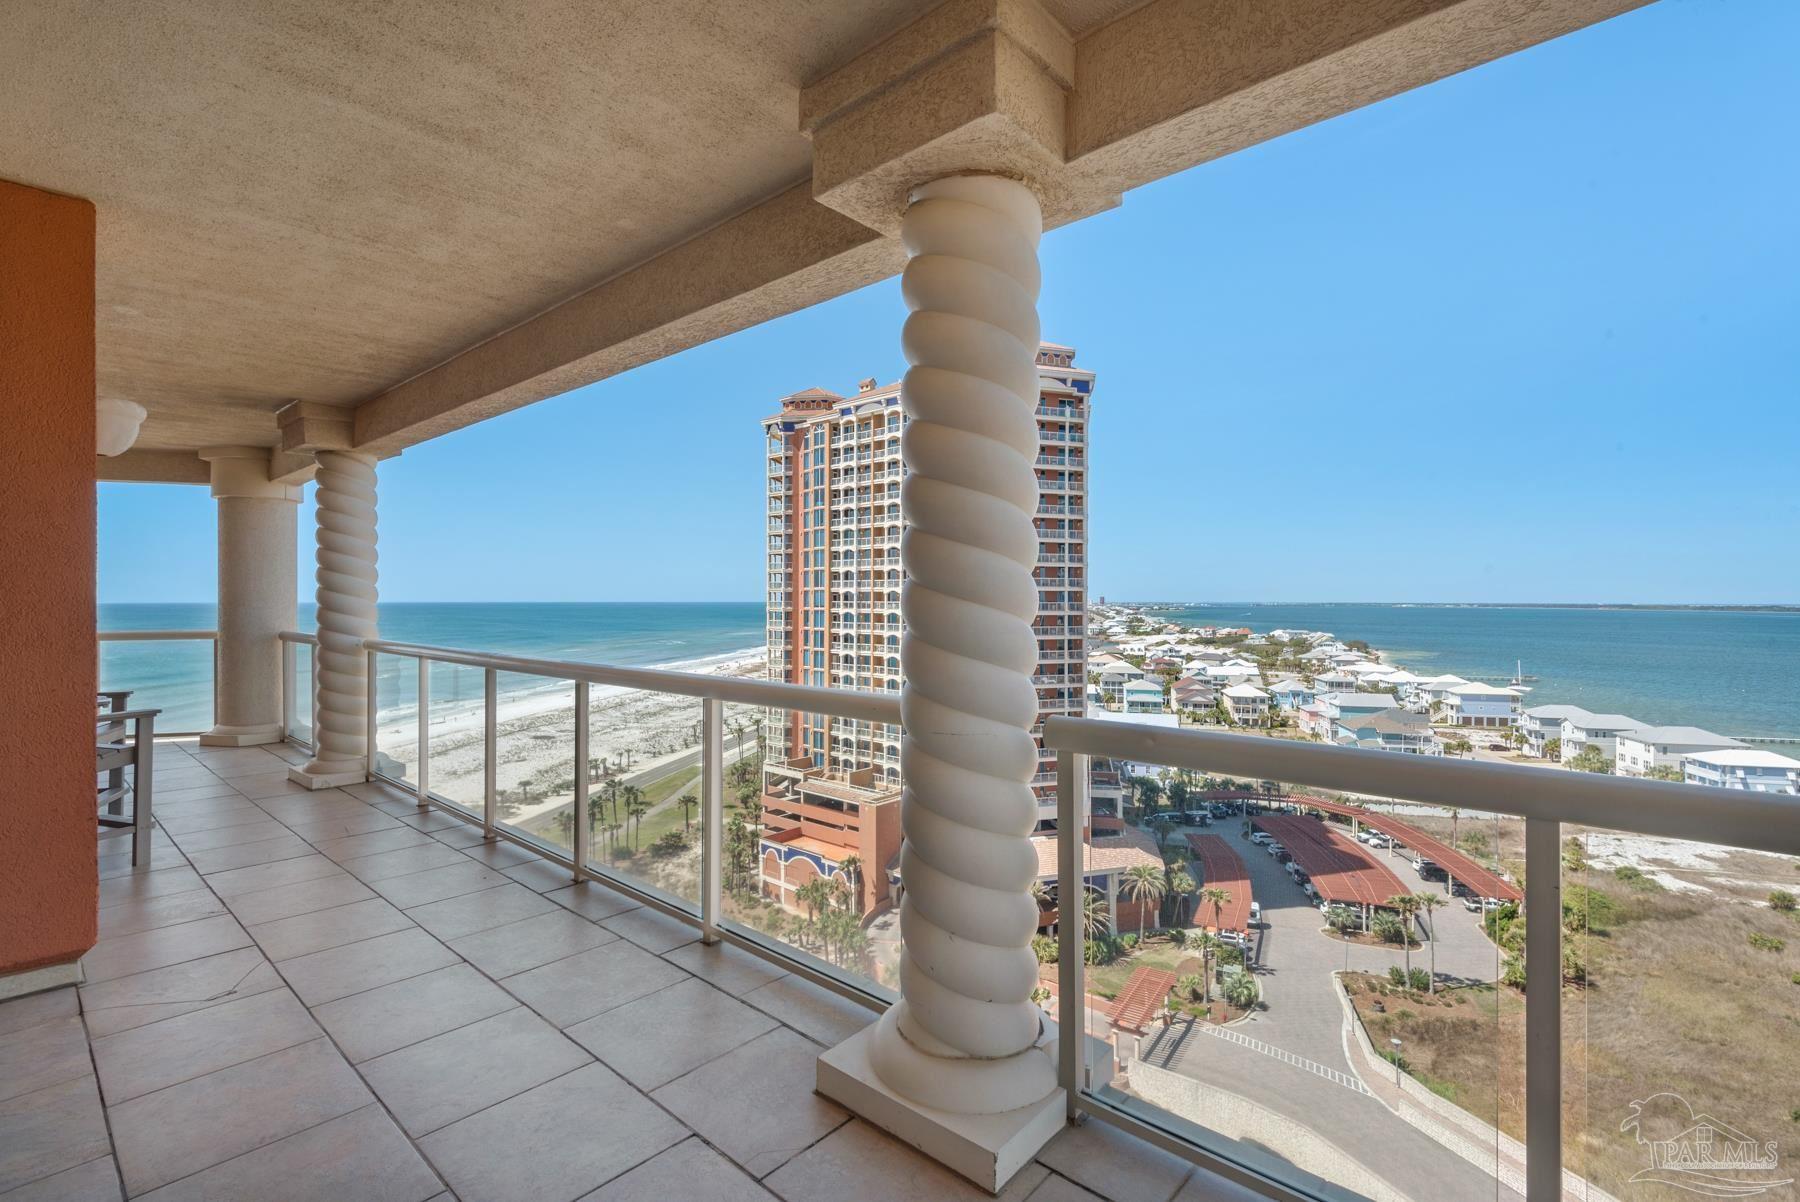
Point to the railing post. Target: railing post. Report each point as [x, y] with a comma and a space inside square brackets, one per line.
[712, 821]
[1543, 1010]
[143, 789]
[422, 774]
[1071, 987]
[582, 833]
[369, 716]
[490, 740]
[289, 671]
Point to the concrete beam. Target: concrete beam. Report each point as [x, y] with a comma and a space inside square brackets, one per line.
[780, 256]
[153, 467]
[1176, 83]
[308, 426]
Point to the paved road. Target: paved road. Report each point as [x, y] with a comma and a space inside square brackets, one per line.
[1304, 1019]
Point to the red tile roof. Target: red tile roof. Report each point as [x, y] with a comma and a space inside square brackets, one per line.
[1341, 869]
[1222, 868]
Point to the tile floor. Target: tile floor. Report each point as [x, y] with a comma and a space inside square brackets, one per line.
[332, 996]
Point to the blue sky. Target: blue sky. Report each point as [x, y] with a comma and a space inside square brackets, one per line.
[1528, 334]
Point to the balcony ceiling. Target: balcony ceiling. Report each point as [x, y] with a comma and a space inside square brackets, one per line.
[326, 201]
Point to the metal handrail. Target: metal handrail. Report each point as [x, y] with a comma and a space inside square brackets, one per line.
[1544, 798]
[172, 636]
[1734, 817]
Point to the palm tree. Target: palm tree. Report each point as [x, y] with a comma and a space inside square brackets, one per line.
[565, 823]
[1095, 917]
[635, 809]
[688, 803]
[1405, 905]
[851, 867]
[1218, 899]
[609, 796]
[1181, 885]
[1143, 881]
[1427, 903]
[1206, 944]
[1191, 986]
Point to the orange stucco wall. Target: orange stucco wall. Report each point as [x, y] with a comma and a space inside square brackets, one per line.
[48, 887]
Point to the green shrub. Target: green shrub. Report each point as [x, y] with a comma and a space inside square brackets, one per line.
[1045, 949]
[1397, 975]
[1781, 899]
[1419, 979]
[1767, 943]
[1512, 971]
[1241, 991]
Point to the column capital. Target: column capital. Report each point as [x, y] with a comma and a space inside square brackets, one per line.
[974, 86]
[239, 471]
[310, 426]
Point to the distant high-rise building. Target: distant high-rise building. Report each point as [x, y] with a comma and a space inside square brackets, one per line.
[831, 785]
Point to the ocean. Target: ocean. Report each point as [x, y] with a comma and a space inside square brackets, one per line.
[177, 676]
[1737, 673]
[1734, 672]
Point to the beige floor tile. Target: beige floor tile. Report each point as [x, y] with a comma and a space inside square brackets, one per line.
[430, 820]
[35, 1008]
[760, 1128]
[269, 876]
[208, 816]
[131, 954]
[95, 1181]
[657, 1038]
[451, 1076]
[692, 1172]
[357, 1157]
[436, 884]
[135, 1001]
[237, 762]
[339, 826]
[223, 859]
[540, 875]
[147, 914]
[590, 899]
[1112, 1163]
[167, 878]
[405, 860]
[591, 982]
[652, 930]
[812, 1010]
[530, 942]
[303, 897]
[455, 917]
[229, 836]
[462, 835]
[352, 847]
[304, 934]
[385, 1019]
[1061, 1189]
[1203, 1186]
[497, 854]
[49, 1130]
[268, 782]
[325, 976]
[725, 967]
[167, 1135]
[144, 1059]
[503, 1155]
[858, 1161]
[42, 1055]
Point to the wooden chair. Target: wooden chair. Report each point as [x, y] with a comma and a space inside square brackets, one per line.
[115, 751]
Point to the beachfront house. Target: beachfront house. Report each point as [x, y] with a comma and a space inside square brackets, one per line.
[1289, 694]
[1333, 682]
[1478, 704]
[1651, 747]
[1395, 730]
[1540, 724]
[1336, 706]
[1247, 704]
[1599, 731]
[1743, 768]
[1405, 684]
[1435, 691]
[1312, 720]
[1114, 679]
[1141, 697]
[1234, 672]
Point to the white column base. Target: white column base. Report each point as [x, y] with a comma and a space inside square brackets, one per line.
[36, 980]
[315, 779]
[986, 1148]
[242, 736]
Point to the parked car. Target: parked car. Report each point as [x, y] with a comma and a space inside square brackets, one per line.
[1310, 891]
[1428, 870]
[1275, 849]
[1262, 837]
[1255, 913]
[1472, 904]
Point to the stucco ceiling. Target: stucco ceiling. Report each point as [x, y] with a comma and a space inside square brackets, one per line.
[322, 200]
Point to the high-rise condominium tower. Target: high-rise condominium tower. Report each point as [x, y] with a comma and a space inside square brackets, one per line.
[831, 785]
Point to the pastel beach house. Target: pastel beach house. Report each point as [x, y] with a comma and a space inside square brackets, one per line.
[1478, 704]
[1743, 768]
[1647, 748]
[1599, 731]
[1247, 704]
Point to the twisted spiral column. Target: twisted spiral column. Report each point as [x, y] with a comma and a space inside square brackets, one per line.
[966, 1037]
[346, 616]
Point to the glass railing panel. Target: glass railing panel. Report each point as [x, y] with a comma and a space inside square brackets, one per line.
[534, 756]
[397, 718]
[643, 810]
[458, 752]
[1681, 995]
[300, 718]
[1291, 979]
[810, 851]
[175, 676]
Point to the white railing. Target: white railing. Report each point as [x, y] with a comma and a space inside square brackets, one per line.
[1545, 799]
[712, 691]
[172, 636]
